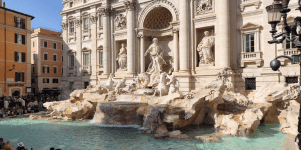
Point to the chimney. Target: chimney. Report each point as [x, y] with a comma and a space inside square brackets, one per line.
[0, 3]
[3, 5]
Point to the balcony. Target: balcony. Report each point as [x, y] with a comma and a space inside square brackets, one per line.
[287, 52]
[86, 34]
[87, 69]
[71, 70]
[251, 57]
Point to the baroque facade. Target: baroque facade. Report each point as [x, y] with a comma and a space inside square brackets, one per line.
[191, 39]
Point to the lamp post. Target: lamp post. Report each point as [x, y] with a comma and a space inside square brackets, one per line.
[279, 9]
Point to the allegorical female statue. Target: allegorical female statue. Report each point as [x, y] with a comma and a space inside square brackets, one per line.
[205, 49]
[156, 66]
[122, 58]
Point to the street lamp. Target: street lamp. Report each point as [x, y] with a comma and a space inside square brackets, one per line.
[275, 11]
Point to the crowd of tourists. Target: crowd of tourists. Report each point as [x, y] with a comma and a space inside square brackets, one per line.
[19, 105]
[7, 146]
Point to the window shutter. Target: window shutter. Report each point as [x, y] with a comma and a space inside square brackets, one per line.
[23, 39]
[47, 80]
[16, 37]
[43, 69]
[16, 24]
[16, 56]
[23, 57]
[22, 76]
[47, 69]
[23, 23]
[16, 76]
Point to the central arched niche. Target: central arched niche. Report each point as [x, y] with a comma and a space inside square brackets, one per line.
[156, 22]
[158, 18]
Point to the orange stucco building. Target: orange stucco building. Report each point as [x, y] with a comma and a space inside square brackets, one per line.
[46, 60]
[15, 65]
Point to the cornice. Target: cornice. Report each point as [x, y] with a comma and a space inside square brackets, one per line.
[202, 18]
[15, 29]
[80, 7]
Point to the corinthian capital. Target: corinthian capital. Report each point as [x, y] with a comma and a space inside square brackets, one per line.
[105, 11]
[129, 5]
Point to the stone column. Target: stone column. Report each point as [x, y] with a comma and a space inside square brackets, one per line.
[93, 20]
[184, 35]
[223, 28]
[142, 49]
[78, 56]
[176, 49]
[64, 24]
[130, 6]
[105, 12]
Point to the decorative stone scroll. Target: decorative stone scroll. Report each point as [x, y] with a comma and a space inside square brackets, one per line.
[78, 22]
[120, 21]
[93, 19]
[204, 6]
[64, 25]
[247, 3]
[129, 5]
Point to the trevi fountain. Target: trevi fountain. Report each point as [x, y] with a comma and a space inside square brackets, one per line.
[173, 68]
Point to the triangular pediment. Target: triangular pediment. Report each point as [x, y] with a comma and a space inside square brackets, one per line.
[250, 25]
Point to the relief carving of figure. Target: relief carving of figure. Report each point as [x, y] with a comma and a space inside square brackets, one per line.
[204, 5]
[205, 49]
[120, 21]
[122, 58]
[156, 66]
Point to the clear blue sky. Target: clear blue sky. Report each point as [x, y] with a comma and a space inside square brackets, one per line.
[46, 12]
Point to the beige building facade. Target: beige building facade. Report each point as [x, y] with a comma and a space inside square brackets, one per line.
[46, 60]
[196, 39]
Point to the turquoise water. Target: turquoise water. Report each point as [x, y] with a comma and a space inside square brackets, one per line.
[79, 135]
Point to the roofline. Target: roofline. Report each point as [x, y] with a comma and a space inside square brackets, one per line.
[32, 17]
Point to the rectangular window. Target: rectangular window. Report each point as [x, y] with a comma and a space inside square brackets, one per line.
[62, 47]
[288, 44]
[86, 59]
[19, 55]
[19, 76]
[291, 80]
[85, 1]
[54, 45]
[32, 69]
[55, 80]
[250, 83]
[33, 56]
[71, 4]
[71, 60]
[45, 69]
[45, 56]
[62, 58]
[250, 43]
[54, 69]
[86, 23]
[19, 23]
[45, 44]
[19, 38]
[62, 70]
[45, 80]
[33, 81]
[101, 58]
[33, 44]
[54, 57]
[71, 24]
[100, 21]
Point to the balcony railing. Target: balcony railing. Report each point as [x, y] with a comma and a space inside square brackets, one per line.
[287, 52]
[251, 57]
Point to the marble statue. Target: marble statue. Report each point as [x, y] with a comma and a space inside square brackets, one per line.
[162, 85]
[109, 85]
[204, 5]
[120, 21]
[133, 84]
[156, 66]
[173, 84]
[205, 49]
[120, 84]
[122, 58]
